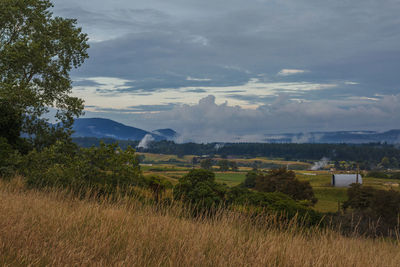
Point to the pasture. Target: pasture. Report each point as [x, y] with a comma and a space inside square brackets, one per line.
[172, 168]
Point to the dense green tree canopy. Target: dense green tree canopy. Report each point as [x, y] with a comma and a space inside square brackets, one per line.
[282, 180]
[223, 165]
[37, 52]
[206, 164]
[199, 188]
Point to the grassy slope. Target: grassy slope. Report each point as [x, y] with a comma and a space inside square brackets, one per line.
[54, 229]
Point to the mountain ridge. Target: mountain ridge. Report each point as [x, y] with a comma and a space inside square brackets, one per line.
[106, 128]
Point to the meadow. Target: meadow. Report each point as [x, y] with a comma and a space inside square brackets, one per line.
[329, 198]
[54, 228]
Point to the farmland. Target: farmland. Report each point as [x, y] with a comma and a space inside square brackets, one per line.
[172, 168]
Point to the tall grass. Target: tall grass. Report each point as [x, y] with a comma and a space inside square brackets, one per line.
[55, 228]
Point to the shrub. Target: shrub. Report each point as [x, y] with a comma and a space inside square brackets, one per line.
[206, 164]
[157, 185]
[223, 165]
[250, 181]
[284, 181]
[395, 175]
[377, 174]
[198, 188]
[380, 207]
[104, 169]
[275, 202]
[9, 159]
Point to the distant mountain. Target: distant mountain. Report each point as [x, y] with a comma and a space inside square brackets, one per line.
[349, 137]
[105, 128]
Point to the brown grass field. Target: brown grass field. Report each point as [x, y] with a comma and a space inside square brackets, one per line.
[54, 228]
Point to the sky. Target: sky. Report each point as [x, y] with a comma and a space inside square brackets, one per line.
[218, 70]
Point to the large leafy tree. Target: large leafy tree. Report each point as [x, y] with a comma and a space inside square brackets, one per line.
[198, 188]
[37, 52]
[282, 180]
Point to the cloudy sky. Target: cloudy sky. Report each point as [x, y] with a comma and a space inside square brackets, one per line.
[215, 70]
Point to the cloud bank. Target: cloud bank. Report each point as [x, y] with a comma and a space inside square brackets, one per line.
[208, 121]
[218, 71]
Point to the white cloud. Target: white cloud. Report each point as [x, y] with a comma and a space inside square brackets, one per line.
[108, 92]
[287, 72]
[351, 83]
[208, 121]
[197, 79]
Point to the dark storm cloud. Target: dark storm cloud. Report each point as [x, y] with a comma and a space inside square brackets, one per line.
[160, 60]
[341, 40]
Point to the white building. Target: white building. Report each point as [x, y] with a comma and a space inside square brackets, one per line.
[345, 180]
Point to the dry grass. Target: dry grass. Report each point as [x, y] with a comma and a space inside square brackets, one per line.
[52, 228]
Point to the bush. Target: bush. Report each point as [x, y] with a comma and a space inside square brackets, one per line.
[395, 175]
[157, 185]
[206, 164]
[380, 207]
[384, 174]
[377, 174]
[284, 181]
[223, 165]
[105, 169]
[9, 159]
[275, 202]
[250, 181]
[198, 188]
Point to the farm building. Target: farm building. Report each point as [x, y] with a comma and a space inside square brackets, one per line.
[345, 180]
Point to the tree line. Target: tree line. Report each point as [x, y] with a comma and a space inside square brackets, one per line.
[368, 156]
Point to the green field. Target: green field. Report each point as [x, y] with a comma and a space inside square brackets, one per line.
[328, 197]
[230, 178]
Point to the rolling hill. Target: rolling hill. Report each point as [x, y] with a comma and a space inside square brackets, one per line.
[105, 128]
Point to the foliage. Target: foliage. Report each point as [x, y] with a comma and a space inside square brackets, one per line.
[368, 156]
[359, 197]
[37, 52]
[384, 174]
[9, 159]
[381, 207]
[223, 165]
[103, 170]
[199, 189]
[206, 164]
[250, 181]
[387, 163]
[10, 122]
[377, 174]
[157, 185]
[233, 165]
[282, 180]
[377, 203]
[276, 202]
[395, 175]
